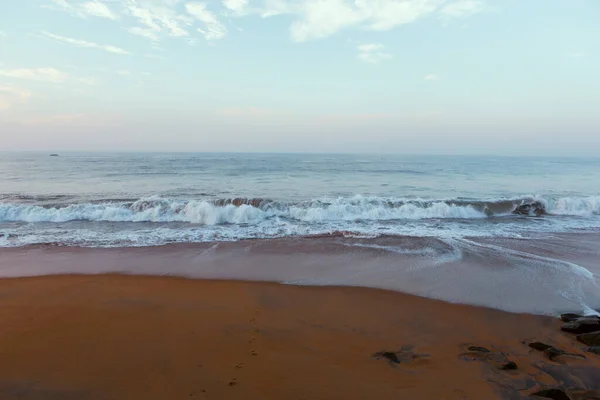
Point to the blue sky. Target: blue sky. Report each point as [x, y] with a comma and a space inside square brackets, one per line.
[404, 76]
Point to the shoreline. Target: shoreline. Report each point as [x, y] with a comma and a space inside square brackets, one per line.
[154, 337]
[546, 276]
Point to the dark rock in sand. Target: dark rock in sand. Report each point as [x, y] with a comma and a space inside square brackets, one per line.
[569, 317]
[509, 366]
[584, 394]
[582, 325]
[591, 339]
[556, 394]
[552, 353]
[404, 355]
[535, 208]
[539, 346]
[593, 350]
[478, 349]
[390, 356]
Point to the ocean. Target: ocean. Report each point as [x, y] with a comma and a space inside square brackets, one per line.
[152, 199]
[438, 226]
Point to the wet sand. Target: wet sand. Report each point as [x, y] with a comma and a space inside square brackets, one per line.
[141, 337]
[538, 276]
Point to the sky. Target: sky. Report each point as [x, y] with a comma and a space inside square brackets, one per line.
[513, 77]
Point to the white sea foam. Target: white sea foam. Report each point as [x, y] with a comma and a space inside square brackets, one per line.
[342, 209]
[115, 223]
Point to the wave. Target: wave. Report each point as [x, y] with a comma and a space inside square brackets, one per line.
[256, 210]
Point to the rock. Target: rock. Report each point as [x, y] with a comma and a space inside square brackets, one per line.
[390, 356]
[569, 317]
[552, 353]
[478, 349]
[591, 339]
[593, 350]
[534, 208]
[404, 355]
[556, 394]
[509, 366]
[584, 395]
[582, 325]
[539, 346]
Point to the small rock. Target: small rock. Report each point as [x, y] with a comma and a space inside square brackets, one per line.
[233, 382]
[388, 355]
[582, 325]
[556, 394]
[594, 350]
[539, 346]
[569, 317]
[509, 366]
[478, 349]
[591, 339]
[552, 353]
[534, 208]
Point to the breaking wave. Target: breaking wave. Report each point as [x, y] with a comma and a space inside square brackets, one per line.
[253, 210]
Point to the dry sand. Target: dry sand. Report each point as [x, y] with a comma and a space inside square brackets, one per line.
[136, 337]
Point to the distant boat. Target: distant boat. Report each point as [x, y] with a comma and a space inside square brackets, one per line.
[53, 155]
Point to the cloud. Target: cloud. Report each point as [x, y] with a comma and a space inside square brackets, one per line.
[10, 95]
[98, 9]
[144, 32]
[158, 17]
[213, 28]
[124, 72]
[311, 19]
[462, 8]
[84, 43]
[86, 9]
[237, 6]
[431, 77]
[372, 53]
[3, 34]
[320, 19]
[36, 74]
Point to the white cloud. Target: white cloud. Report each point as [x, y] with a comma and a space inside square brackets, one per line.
[213, 28]
[432, 77]
[237, 6]
[144, 32]
[97, 9]
[319, 19]
[85, 9]
[3, 34]
[36, 74]
[462, 8]
[84, 43]
[372, 53]
[158, 17]
[124, 72]
[311, 19]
